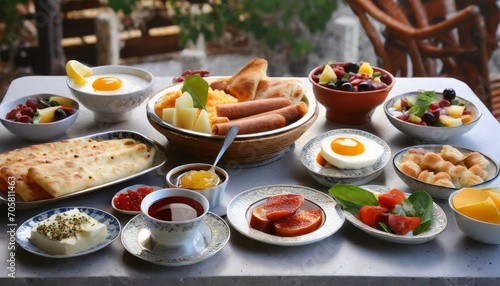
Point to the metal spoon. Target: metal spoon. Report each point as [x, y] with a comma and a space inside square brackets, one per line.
[231, 134]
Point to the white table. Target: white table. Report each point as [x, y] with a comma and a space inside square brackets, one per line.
[348, 257]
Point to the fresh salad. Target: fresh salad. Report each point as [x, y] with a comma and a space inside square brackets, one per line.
[392, 211]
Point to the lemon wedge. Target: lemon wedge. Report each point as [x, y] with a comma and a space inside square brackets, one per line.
[366, 68]
[77, 71]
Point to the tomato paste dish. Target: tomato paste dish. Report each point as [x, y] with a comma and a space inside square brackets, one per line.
[281, 215]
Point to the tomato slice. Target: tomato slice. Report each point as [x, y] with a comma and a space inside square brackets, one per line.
[260, 222]
[402, 224]
[303, 222]
[391, 198]
[280, 206]
[371, 215]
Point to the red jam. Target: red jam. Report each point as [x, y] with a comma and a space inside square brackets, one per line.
[131, 200]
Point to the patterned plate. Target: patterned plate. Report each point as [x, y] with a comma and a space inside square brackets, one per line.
[212, 236]
[24, 231]
[239, 212]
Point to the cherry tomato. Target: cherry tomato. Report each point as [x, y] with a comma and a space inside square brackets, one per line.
[402, 224]
[372, 215]
[391, 198]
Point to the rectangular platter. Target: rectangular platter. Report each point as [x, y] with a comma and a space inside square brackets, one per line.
[159, 159]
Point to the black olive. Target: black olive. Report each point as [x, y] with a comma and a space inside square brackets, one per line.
[346, 86]
[331, 85]
[449, 94]
[60, 114]
[351, 67]
[364, 86]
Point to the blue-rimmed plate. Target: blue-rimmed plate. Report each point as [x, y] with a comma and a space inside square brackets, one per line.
[438, 225]
[329, 175]
[239, 212]
[24, 231]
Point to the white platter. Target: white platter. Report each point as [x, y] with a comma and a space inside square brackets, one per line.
[240, 208]
[439, 224]
[212, 236]
[24, 231]
[134, 188]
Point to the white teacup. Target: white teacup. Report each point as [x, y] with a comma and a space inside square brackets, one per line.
[174, 215]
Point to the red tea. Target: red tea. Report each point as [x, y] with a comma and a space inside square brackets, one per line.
[176, 209]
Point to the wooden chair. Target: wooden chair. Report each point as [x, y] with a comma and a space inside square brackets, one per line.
[453, 38]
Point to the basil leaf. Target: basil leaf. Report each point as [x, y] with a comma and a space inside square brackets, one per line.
[424, 100]
[423, 204]
[408, 208]
[197, 87]
[352, 197]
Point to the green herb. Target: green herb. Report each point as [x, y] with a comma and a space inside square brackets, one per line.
[352, 198]
[424, 100]
[197, 87]
[423, 204]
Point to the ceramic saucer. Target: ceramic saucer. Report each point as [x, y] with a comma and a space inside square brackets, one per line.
[212, 236]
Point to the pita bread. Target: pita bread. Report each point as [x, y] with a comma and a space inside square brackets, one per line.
[16, 163]
[243, 85]
[275, 87]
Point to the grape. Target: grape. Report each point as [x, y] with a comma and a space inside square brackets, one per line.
[429, 118]
[449, 94]
[346, 86]
[32, 103]
[364, 86]
[351, 67]
[59, 114]
[444, 103]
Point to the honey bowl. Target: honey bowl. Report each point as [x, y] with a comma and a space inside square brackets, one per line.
[213, 194]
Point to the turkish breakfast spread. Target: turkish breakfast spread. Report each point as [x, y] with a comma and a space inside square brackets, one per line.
[68, 232]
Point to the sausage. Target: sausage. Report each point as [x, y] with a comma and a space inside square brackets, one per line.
[291, 113]
[251, 125]
[252, 107]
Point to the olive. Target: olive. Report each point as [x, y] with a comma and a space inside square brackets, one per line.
[449, 94]
[364, 86]
[331, 85]
[429, 118]
[346, 86]
[59, 114]
[351, 67]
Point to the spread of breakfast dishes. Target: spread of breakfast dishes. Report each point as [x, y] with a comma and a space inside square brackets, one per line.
[180, 222]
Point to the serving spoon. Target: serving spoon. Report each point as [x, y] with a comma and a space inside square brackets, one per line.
[230, 135]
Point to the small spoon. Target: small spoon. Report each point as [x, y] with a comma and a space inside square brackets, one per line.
[230, 135]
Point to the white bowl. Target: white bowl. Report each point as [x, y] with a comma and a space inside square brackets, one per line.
[114, 107]
[484, 232]
[436, 191]
[430, 133]
[214, 195]
[329, 175]
[37, 132]
[133, 188]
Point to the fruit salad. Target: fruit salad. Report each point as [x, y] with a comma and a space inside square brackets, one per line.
[356, 77]
[40, 110]
[429, 108]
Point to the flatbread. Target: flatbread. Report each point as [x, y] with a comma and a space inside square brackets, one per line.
[243, 85]
[16, 163]
[277, 87]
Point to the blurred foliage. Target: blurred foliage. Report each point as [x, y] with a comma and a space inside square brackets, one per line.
[9, 23]
[276, 23]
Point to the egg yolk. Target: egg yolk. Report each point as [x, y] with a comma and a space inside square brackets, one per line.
[107, 83]
[347, 146]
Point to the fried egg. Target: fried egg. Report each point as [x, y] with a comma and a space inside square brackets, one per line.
[350, 151]
[113, 84]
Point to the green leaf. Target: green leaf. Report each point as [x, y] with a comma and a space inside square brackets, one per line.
[423, 204]
[424, 100]
[352, 196]
[197, 87]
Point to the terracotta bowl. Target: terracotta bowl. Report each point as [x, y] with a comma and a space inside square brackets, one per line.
[246, 148]
[353, 108]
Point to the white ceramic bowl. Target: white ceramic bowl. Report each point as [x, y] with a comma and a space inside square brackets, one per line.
[436, 191]
[214, 195]
[430, 133]
[329, 175]
[484, 232]
[132, 188]
[36, 132]
[115, 107]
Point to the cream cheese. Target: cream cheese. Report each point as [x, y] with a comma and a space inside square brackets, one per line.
[68, 232]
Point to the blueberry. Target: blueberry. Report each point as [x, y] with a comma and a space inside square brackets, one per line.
[346, 86]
